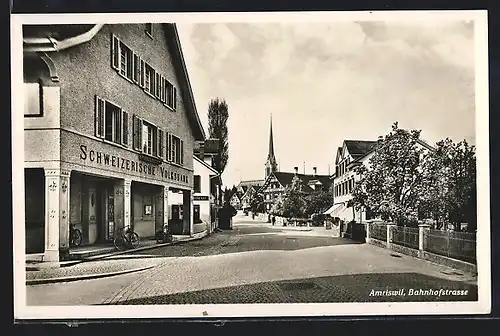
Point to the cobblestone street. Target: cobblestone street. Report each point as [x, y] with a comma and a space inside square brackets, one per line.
[258, 263]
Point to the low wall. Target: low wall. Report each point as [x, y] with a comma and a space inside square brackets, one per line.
[424, 255]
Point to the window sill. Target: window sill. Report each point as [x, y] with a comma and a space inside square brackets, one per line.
[150, 158]
[116, 144]
[125, 77]
[169, 107]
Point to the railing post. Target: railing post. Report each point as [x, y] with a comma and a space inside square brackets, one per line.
[421, 238]
[367, 238]
[389, 235]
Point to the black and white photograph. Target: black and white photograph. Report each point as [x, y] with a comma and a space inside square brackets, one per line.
[250, 164]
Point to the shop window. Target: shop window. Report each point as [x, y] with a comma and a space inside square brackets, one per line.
[148, 205]
[196, 214]
[111, 122]
[197, 183]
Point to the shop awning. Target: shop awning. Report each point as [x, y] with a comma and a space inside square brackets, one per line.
[334, 210]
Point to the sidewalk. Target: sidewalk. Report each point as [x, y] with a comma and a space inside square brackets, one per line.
[98, 266]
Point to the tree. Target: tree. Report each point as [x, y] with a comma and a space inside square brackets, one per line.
[392, 185]
[257, 202]
[294, 202]
[318, 201]
[218, 114]
[277, 205]
[451, 183]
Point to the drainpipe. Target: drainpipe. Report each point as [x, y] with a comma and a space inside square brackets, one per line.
[49, 44]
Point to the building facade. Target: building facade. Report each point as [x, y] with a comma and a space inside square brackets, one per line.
[204, 195]
[206, 151]
[109, 129]
[247, 190]
[350, 155]
[276, 184]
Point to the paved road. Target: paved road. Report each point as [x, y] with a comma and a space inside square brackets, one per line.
[257, 263]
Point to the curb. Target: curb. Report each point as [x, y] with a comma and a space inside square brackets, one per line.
[84, 276]
[60, 265]
[144, 248]
[99, 257]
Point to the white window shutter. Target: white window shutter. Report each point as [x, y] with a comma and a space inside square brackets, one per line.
[115, 52]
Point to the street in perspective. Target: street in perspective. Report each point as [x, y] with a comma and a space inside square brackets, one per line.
[303, 170]
[256, 262]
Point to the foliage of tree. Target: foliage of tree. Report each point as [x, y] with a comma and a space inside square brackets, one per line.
[403, 183]
[317, 202]
[257, 202]
[218, 115]
[392, 185]
[451, 184]
[294, 202]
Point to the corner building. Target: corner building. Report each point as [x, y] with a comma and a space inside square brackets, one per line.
[109, 125]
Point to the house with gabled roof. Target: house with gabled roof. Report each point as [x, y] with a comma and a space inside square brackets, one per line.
[350, 155]
[110, 124]
[277, 182]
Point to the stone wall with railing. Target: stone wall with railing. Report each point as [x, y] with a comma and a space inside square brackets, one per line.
[450, 248]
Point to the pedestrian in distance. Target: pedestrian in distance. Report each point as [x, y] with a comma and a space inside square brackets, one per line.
[273, 219]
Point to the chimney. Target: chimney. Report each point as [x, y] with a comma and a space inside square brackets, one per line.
[296, 170]
[315, 171]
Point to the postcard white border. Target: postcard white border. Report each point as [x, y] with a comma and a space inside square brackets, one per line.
[482, 306]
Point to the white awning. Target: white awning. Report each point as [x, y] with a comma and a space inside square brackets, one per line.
[334, 209]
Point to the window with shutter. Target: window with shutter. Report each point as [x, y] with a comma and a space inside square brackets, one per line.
[181, 150]
[142, 74]
[137, 68]
[125, 128]
[137, 135]
[157, 85]
[161, 143]
[174, 94]
[169, 147]
[99, 117]
[115, 52]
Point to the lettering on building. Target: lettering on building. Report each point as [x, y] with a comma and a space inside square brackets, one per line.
[130, 165]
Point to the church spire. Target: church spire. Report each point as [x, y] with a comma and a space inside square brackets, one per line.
[271, 165]
[271, 145]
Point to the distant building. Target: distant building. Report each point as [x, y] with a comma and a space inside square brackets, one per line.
[207, 181]
[235, 201]
[246, 191]
[275, 184]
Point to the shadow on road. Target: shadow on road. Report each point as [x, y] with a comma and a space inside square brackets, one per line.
[345, 288]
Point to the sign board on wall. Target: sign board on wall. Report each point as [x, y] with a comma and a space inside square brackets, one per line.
[200, 198]
[136, 167]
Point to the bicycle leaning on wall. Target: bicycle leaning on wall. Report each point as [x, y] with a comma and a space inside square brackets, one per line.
[126, 239]
[75, 236]
[164, 235]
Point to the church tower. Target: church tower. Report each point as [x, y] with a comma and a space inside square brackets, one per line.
[271, 165]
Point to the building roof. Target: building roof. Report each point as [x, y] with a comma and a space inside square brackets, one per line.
[285, 178]
[251, 183]
[57, 37]
[358, 148]
[203, 163]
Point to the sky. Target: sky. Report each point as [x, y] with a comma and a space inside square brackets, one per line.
[326, 82]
